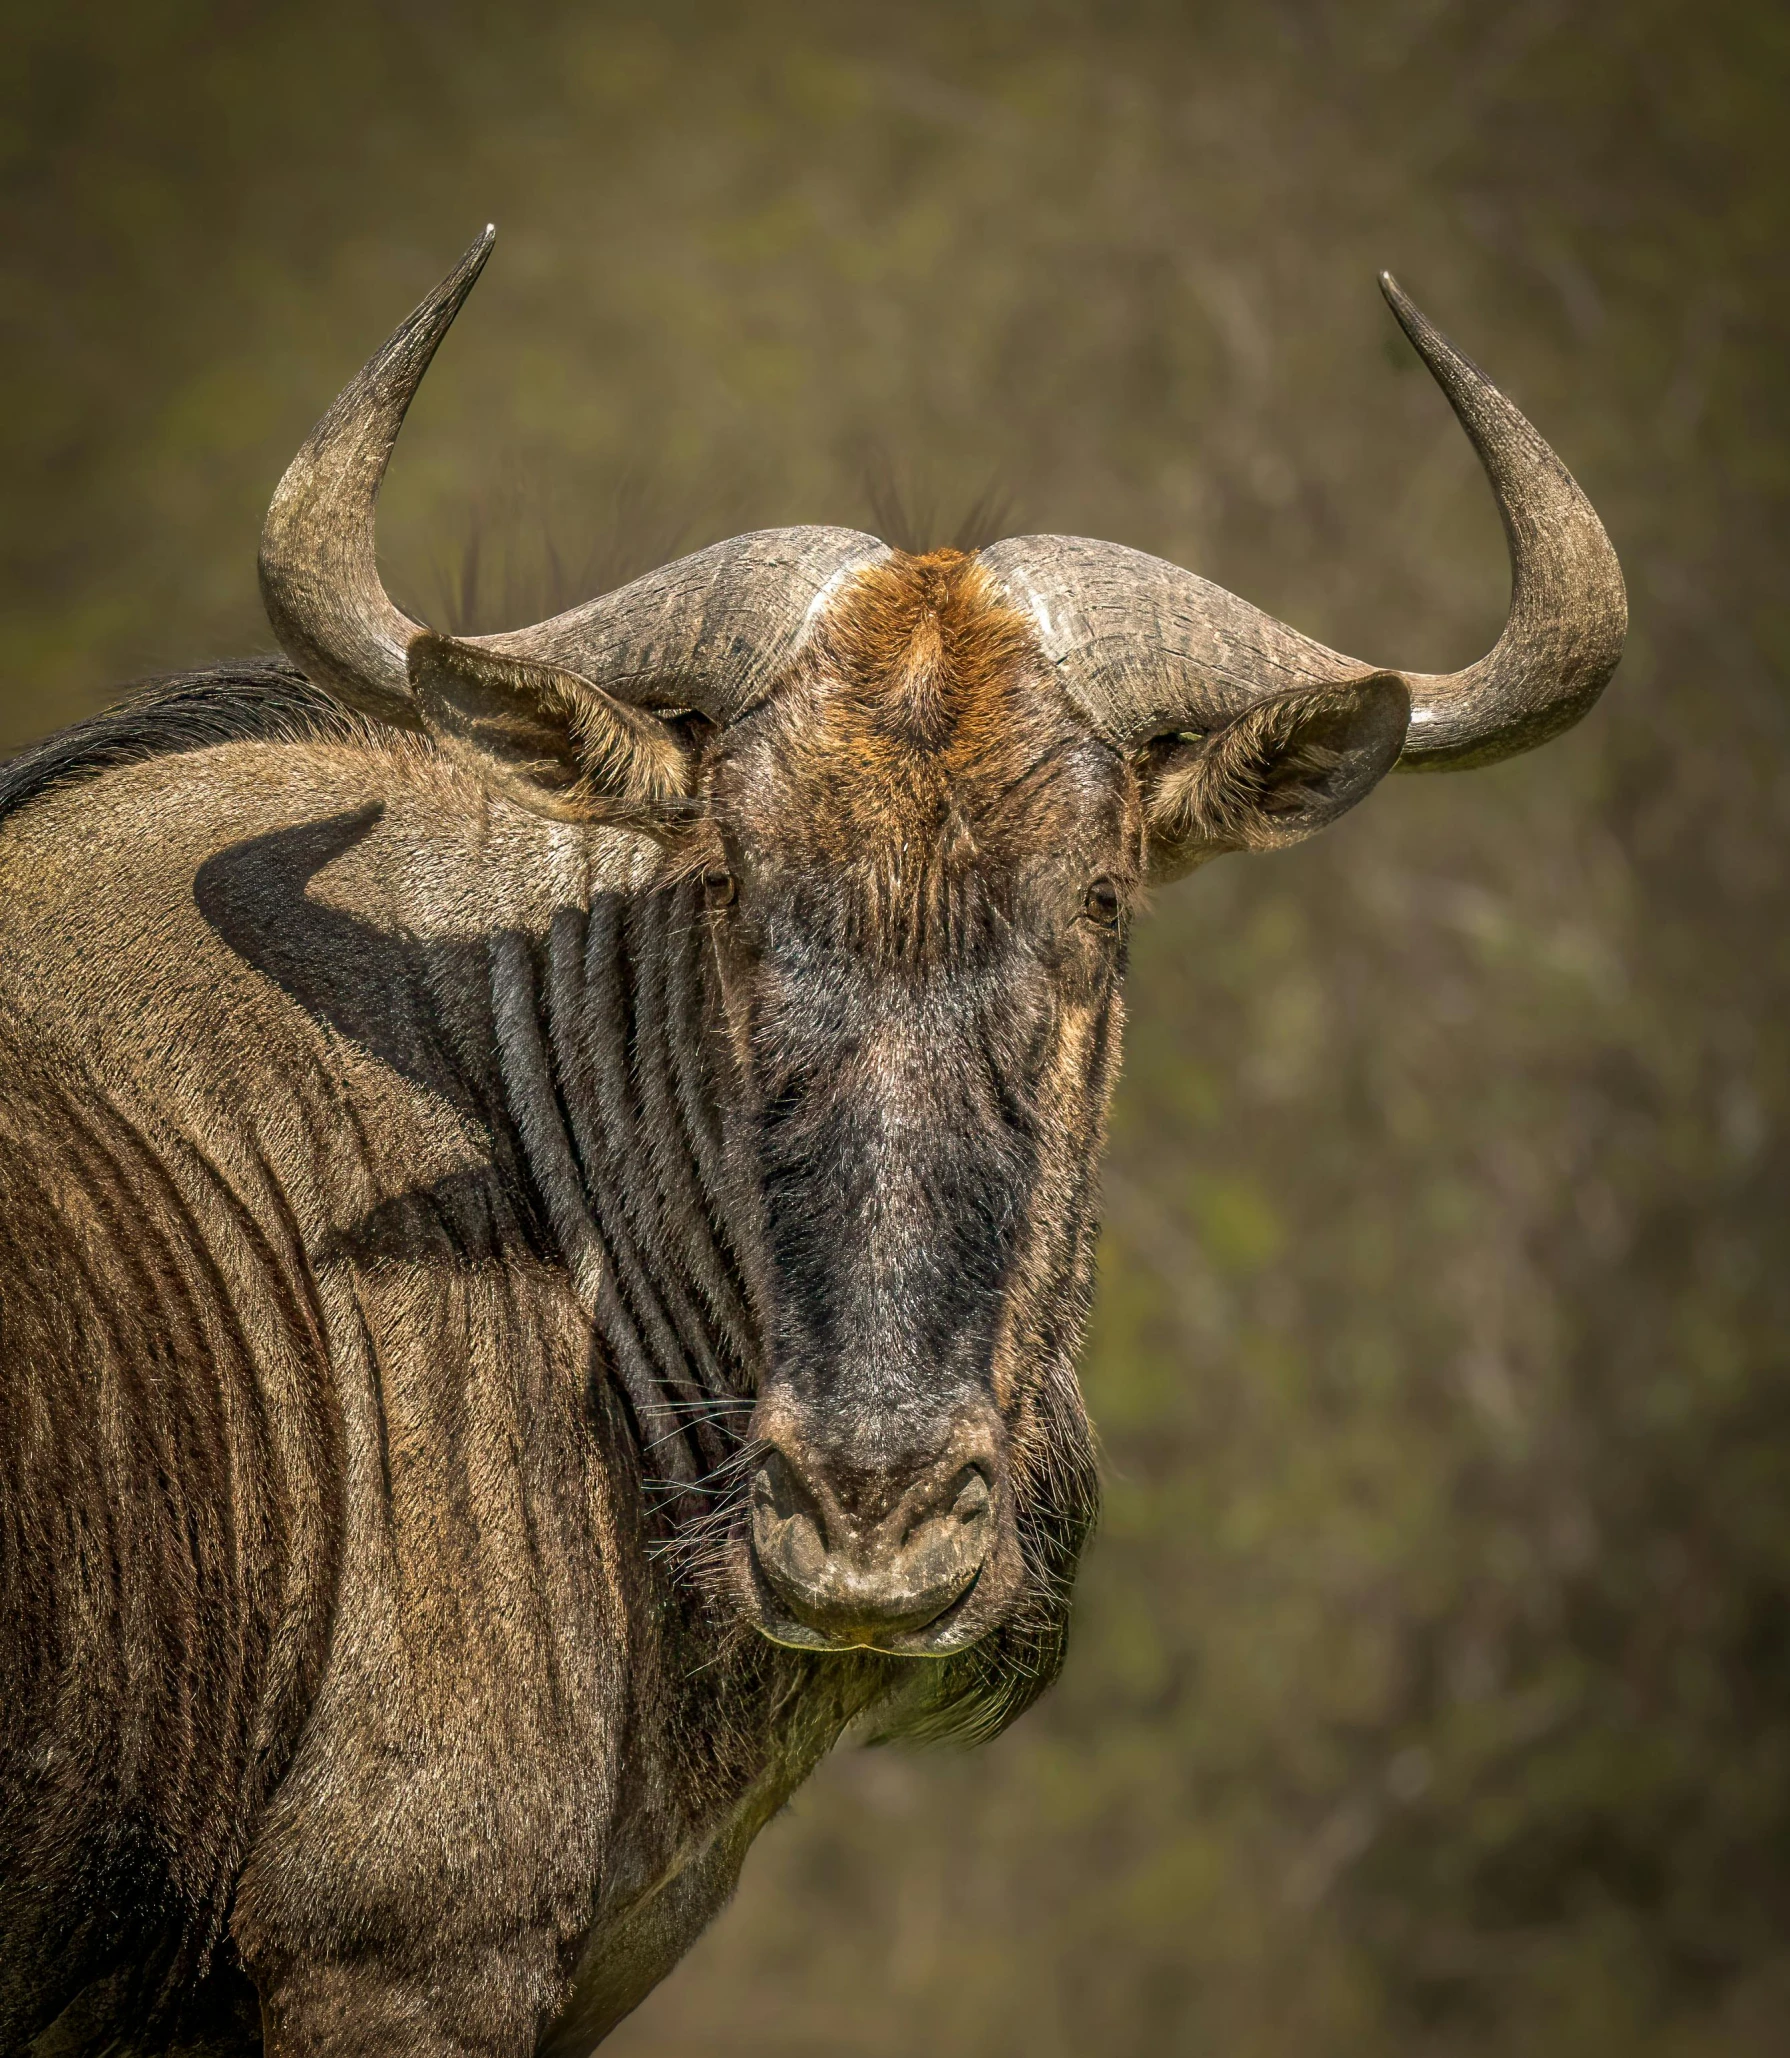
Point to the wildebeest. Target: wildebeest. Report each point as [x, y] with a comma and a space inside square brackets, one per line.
[547, 1209]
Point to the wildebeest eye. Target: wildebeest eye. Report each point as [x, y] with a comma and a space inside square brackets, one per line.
[1101, 905]
[720, 888]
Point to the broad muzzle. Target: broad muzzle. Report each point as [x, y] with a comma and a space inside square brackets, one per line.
[877, 1547]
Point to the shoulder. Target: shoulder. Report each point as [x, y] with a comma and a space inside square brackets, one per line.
[108, 831]
[172, 862]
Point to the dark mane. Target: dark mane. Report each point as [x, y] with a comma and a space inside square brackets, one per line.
[235, 701]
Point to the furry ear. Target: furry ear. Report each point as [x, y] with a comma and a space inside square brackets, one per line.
[1275, 774]
[549, 739]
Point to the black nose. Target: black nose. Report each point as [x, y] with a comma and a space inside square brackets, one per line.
[861, 1566]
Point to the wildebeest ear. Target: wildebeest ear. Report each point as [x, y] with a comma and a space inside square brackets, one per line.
[547, 738]
[1279, 772]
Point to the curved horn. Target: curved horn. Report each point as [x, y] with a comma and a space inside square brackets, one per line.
[1145, 647]
[710, 632]
[320, 577]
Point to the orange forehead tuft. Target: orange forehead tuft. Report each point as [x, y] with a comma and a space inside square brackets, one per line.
[923, 654]
[922, 767]
[924, 737]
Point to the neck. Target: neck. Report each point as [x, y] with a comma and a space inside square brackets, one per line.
[613, 1068]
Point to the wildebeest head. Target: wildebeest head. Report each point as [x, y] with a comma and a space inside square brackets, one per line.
[921, 796]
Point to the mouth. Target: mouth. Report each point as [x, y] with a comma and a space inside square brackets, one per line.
[953, 1629]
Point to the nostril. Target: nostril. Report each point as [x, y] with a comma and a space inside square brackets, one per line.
[964, 1502]
[787, 1534]
[773, 1489]
[973, 1497]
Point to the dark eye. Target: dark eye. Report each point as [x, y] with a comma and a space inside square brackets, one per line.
[1102, 904]
[719, 888]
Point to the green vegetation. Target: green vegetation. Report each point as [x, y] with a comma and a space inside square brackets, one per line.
[1431, 1692]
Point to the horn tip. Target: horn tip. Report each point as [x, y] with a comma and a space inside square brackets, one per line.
[1412, 319]
[473, 262]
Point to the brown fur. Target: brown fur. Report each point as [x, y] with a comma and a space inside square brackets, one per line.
[934, 708]
[415, 1211]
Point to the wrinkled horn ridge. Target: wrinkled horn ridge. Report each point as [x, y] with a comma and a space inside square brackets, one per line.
[709, 632]
[1146, 647]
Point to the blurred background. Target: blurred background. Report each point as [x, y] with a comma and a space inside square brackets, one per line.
[1431, 1684]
